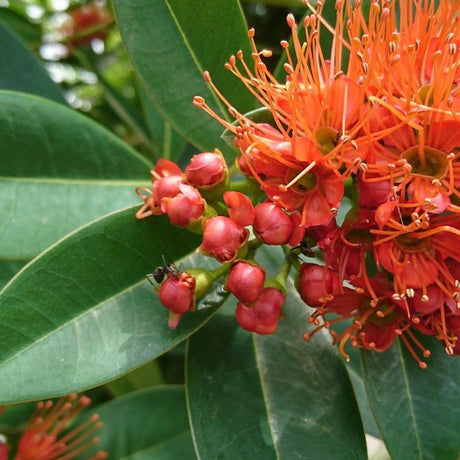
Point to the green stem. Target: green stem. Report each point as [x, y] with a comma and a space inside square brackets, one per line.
[219, 271]
[283, 274]
[239, 186]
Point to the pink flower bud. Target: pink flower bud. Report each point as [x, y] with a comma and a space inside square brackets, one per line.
[206, 169]
[315, 283]
[185, 207]
[166, 187]
[222, 237]
[263, 316]
[272, 224]
[240, 208]
[245, 281]
[177, 293]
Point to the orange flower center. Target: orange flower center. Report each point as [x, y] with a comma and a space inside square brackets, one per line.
[428, 162]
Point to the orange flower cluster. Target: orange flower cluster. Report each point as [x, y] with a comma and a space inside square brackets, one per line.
[381, 112]
[46, 436]
[374, 122]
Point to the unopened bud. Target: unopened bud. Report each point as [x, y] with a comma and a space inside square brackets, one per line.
[206, 169]
[314, 282]
[263, 316]
[245, 281]
[222, 238]
[272, 224]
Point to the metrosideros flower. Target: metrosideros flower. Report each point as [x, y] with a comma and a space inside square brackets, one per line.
[316, 139]
[46, 436]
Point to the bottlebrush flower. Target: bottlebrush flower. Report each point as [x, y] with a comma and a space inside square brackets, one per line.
[416, 251]
[378, 318]
[43, 438]
[316, 139]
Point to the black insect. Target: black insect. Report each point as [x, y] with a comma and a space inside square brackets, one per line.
[305, 249]
[163, 270]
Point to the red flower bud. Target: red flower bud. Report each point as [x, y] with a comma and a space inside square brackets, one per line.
[315, 283]
[245, 281]
[185, 207]
[166, 187]
[272, 224]
[222, 237]
[263, 316]
[177, 293]
[240, 208]
[206, 169]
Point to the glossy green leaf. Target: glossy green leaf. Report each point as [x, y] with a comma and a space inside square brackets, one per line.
[20, 70]
[270, 397]
[166, 142]
[83, 313]
[415, 410]
[145, 376]
[59, 170]
[260, 115]
[18, 23]
[171, 43]
[9, 268]
[145, 425]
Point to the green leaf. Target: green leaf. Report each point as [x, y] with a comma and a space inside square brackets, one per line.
[18, 23]
[59, 170]
[166, 142]
[171, 43]
[147, 424]
[20, 70]
[9, 268]
[252, 396]
[83, 313]
[260, 115]
[142, 377]
[415, 410]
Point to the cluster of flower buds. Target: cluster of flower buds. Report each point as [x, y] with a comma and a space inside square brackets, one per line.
[200, 198]
[42, 438]
[381, 131]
